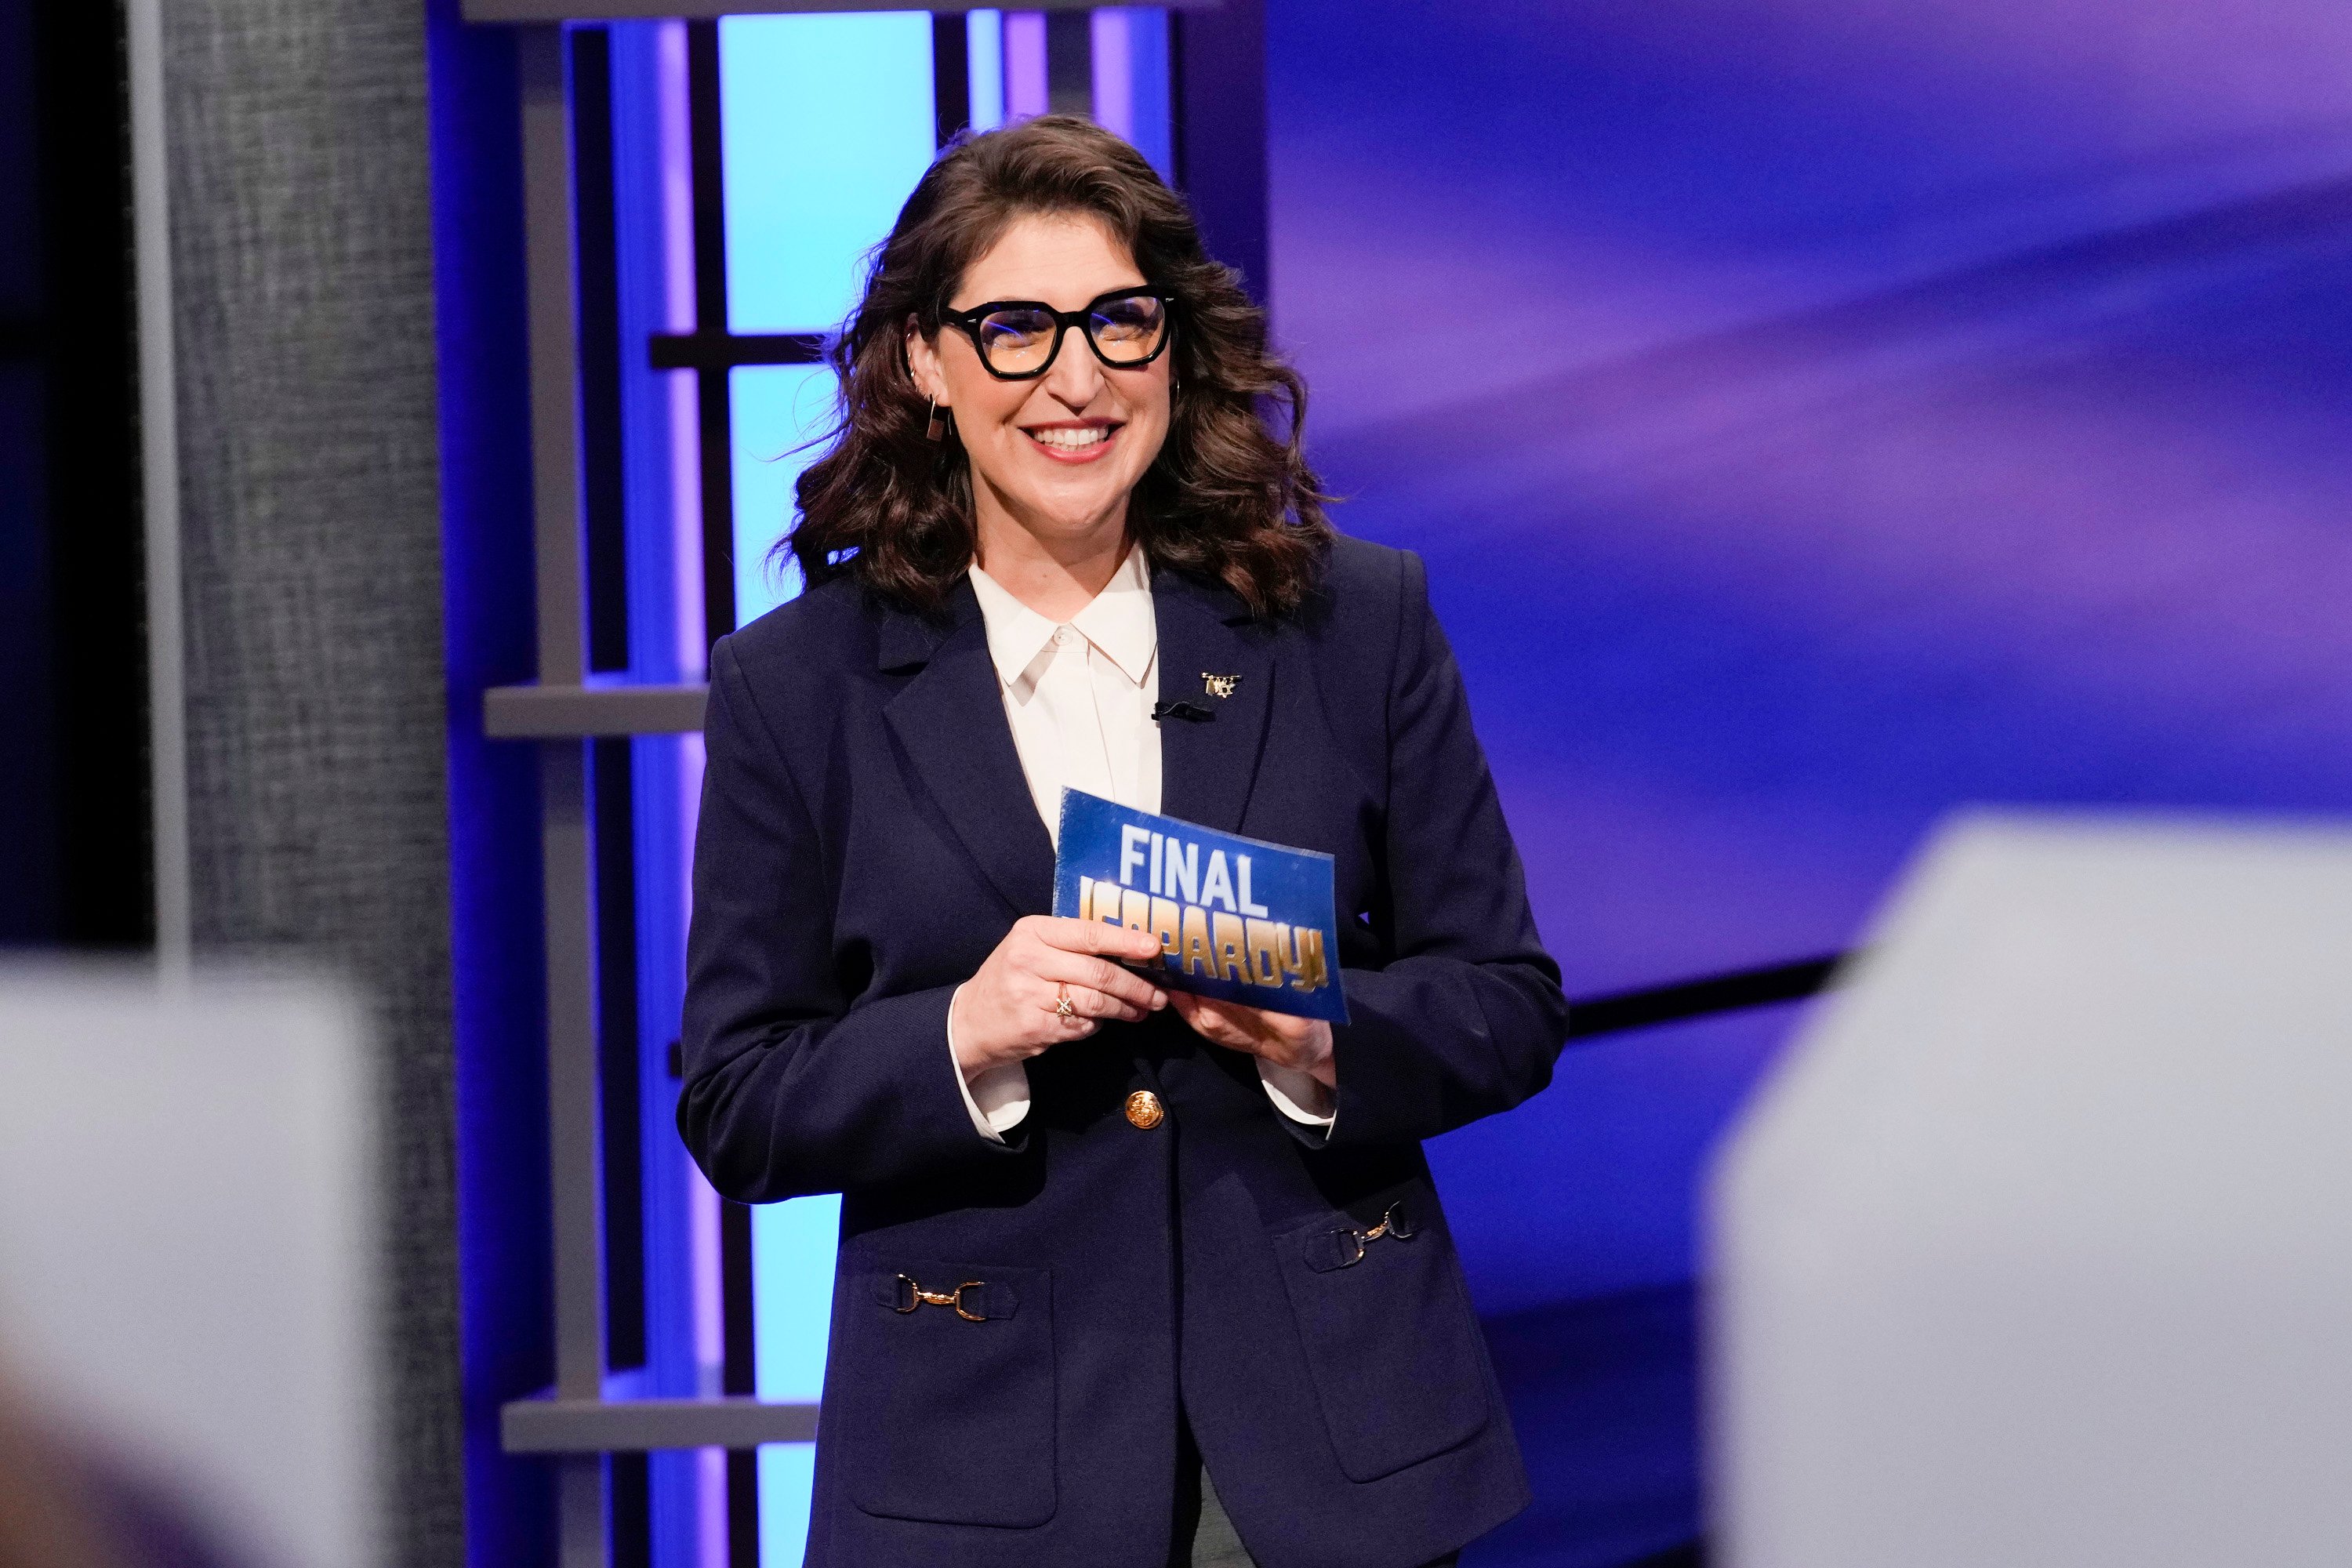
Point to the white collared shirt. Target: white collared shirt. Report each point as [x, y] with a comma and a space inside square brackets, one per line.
[1079, 697]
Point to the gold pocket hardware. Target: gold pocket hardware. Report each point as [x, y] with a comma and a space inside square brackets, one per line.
[913, 1294]
[1393, 1223]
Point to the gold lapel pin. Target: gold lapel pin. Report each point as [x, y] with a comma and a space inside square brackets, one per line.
[1219, 685]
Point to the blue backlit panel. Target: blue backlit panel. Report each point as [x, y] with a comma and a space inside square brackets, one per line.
[984, 44]
[792, 1285]
[827, 125]
[780, 410]
[827, 122]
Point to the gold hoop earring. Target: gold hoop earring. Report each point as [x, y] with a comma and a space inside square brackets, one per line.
[936, 428]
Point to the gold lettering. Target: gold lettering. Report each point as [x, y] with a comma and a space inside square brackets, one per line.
[1086, 898]
[1266, 969]
[1198, 958]
[1299, 950]
[1232, 949]
[1135, 910]
[1313, 973]
[1164, 925]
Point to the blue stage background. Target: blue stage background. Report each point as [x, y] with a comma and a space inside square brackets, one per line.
[1816, 415]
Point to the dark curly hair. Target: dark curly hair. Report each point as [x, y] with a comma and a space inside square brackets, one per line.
[1228, 500]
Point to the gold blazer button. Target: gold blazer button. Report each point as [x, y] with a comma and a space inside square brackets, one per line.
[1144, 1110]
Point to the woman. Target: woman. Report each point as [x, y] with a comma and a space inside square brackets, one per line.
[1123, 1273]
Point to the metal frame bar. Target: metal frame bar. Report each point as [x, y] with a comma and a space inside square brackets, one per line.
[706, 10]
[714, 395]
[551, 1425]
[159, 440]
[1730, 992]
[577, 1422]
[572, 1065]
[576, 712]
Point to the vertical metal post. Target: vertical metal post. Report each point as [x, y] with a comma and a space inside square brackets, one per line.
[158, 437]
[554, 355]
[574, 1113]
[572, 1087]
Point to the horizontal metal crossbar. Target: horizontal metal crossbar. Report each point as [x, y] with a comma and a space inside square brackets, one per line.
[576, 712]
[549, 1426]
[726, 350]
[1622, 1010]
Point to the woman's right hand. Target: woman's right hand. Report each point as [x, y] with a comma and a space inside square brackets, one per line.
[1007, 1012]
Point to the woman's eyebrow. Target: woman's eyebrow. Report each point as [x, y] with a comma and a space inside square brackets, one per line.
[1039, 297]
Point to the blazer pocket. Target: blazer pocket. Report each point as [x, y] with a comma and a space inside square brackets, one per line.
[1391, 1341]
[942, 1393]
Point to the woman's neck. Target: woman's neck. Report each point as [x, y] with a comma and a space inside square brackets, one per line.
[1055, 575]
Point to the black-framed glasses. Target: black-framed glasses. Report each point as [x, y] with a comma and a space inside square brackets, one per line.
[1018, 339]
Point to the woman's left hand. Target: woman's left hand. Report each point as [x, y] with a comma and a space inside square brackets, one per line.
[1302, 1045]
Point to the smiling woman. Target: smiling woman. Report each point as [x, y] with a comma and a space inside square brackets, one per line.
[1057, 218]
[1054, 443]
[1127, 1275]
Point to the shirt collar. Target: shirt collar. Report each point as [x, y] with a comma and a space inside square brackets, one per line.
[1119, 621]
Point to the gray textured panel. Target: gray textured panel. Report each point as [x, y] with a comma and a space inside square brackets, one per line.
[317, 774]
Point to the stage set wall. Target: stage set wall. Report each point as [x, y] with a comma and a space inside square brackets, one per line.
[1814, 414]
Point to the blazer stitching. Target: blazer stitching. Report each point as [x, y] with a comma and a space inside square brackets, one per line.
[1406, 563]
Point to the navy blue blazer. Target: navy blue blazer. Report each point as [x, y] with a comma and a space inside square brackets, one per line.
[866, 838]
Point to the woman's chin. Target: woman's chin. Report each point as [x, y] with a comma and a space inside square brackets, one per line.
[1059, 520]
[1069, 509]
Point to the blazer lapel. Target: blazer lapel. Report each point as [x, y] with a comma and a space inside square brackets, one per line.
[949, 721]
[1208, 644]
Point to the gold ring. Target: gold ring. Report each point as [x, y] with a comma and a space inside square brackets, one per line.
[1062, 1008]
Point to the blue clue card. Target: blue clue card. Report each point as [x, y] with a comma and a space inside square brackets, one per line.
[1237, 919]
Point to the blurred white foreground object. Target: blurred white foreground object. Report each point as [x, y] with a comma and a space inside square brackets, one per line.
[2037, 1253]
[187, 1235]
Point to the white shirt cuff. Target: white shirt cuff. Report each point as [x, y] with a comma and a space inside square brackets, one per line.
[1298, 1095]
[997, 1096]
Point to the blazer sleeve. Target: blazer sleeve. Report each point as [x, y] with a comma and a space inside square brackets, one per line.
[1466, 1019]
[791, 1086]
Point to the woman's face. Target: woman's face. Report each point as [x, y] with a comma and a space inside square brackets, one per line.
[1059, 454]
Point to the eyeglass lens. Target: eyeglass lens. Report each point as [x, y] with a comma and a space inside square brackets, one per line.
[1124, 330]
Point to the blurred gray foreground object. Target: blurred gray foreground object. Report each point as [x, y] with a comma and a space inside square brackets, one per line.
[2037, 1252]
[186, 1231]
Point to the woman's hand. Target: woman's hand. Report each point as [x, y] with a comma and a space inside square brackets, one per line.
[1007, 1012]
[1302, 1045]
